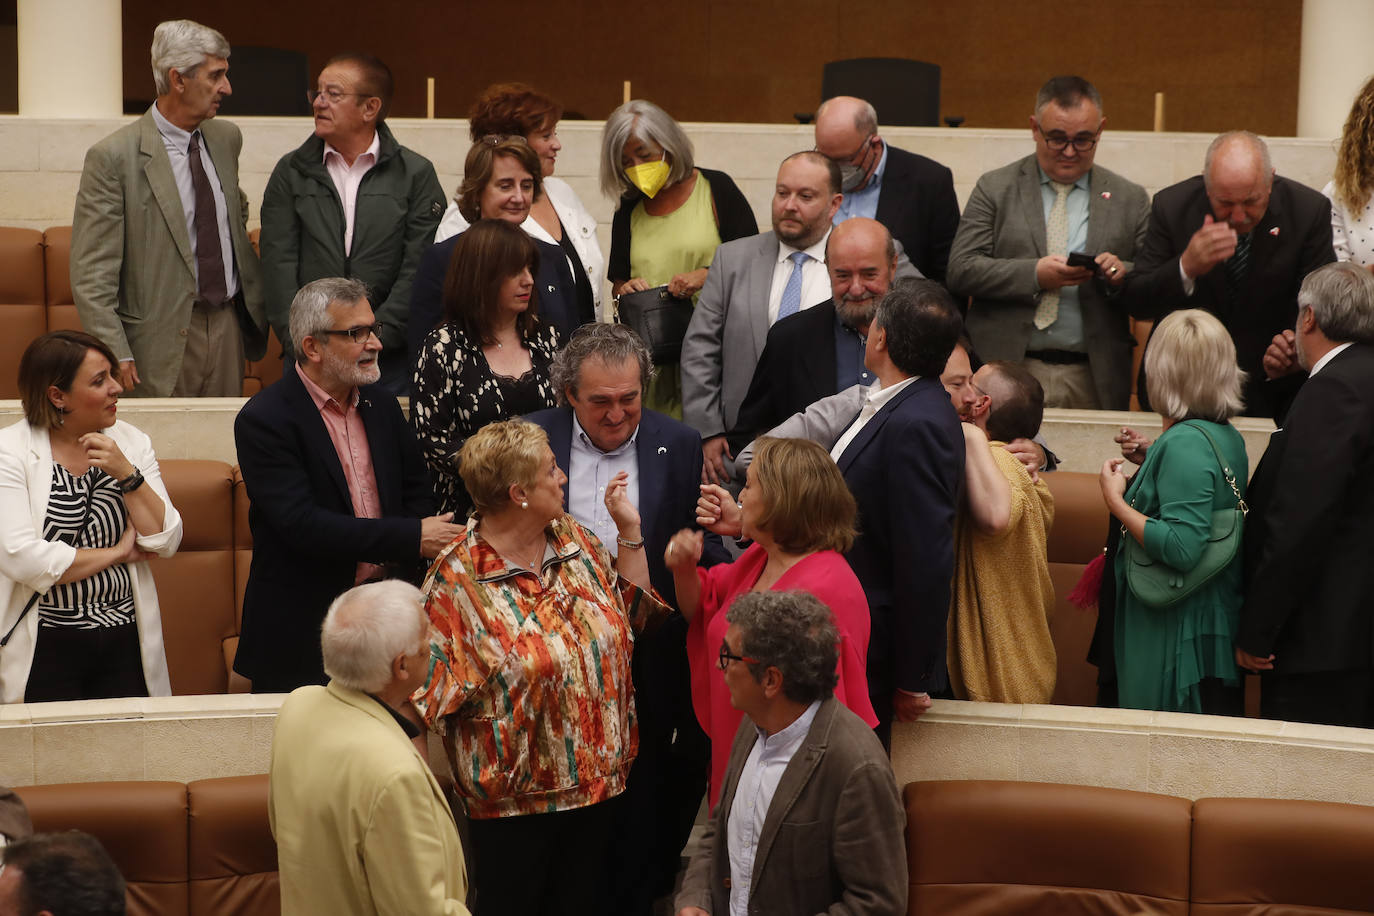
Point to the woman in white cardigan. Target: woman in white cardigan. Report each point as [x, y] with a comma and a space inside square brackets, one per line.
[82, 508]
[557, 216]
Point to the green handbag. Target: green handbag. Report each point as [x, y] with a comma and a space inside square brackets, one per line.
[1158, 585]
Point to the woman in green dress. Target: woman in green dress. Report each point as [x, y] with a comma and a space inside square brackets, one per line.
[1179, 658]
[671, 218]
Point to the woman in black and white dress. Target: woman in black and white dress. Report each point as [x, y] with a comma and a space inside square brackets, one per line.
[82, 507]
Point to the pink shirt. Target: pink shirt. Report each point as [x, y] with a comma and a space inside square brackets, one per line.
[349, 435]
[825, 574]
[347, 178]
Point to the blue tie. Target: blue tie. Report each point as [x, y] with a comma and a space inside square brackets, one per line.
[791, 293]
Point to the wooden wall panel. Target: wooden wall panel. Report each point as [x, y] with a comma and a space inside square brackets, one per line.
[1222, 63]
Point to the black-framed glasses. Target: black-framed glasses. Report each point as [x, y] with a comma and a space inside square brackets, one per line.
[1060, 141]
[333, 96]
[359, 334]
[726, 657]
[850, 158]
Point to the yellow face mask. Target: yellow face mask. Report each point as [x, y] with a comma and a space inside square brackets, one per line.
[649, 177]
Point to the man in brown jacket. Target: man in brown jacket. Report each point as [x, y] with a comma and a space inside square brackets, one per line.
[809, 818]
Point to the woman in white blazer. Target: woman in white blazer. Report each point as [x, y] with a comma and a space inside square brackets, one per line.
[82, 508]
[557, 216]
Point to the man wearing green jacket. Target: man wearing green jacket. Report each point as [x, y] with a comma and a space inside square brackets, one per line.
[351, 202]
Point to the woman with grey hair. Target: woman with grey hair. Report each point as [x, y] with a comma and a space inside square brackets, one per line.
[671, 218]
[1179, 657]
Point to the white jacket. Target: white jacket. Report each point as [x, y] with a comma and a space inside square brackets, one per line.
[577, 222]
[28, 563]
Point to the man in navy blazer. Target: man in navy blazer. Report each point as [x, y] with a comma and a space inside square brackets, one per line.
[903, 458]
[338, 490]
[601, 431]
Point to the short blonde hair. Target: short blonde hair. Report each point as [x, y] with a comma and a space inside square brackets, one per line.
[499, 455]
[806, 504]
[1190, 368]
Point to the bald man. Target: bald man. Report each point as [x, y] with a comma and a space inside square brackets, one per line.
[911, 195]
[820, 351]
[1236, 240]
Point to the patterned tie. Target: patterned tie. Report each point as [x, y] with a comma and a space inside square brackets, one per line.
[1057, 242]
[209, 257]
[1235, 268]
[791, 293]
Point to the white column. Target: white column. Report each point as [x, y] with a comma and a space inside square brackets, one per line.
[1337, 57]
[71, 59]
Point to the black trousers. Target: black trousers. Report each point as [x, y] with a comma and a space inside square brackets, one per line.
[541, 864]
[1321, 698]
[70, 664]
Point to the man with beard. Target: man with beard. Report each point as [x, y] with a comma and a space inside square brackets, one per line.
[338, 489]
[820, 351]
[911, 195]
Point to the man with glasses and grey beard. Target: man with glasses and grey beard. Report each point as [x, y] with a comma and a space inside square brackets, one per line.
[1043, 248]
[339, 492]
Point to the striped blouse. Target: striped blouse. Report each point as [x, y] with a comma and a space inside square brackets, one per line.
[105, 599]
[529, 679]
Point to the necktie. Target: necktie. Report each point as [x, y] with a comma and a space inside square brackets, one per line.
[1235, 268]
[1057, 242]
[791, 293]
[209, 257]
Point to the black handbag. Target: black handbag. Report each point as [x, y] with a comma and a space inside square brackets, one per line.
[659, 318]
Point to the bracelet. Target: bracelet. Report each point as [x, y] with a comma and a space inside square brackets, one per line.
[629, 544]
[131, 483]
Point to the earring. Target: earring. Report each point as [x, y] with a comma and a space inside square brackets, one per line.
[524, 504]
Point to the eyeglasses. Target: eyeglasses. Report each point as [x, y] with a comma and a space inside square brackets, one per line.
[333, 96]
[726, 657]
[1059, 141]
[850, 158]
[498, 139]
[360, 334]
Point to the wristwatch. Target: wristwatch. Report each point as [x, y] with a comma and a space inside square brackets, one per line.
[131, 483]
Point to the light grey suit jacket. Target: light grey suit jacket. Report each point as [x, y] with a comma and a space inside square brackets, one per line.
[133, 272]
[729, 328]
[1002, 235]
[833, 839]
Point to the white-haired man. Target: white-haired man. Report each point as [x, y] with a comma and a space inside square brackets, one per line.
[161, 267]
[360, 821]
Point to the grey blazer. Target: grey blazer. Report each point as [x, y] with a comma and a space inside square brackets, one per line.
[729, 328]
[833, 840]
[132, 269]
[1002, 235]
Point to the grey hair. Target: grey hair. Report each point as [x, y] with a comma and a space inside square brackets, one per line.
[1190, 368]
[865, 115]
[793, 632]
[613, 344]
[183, 45]
[1341, 297]
[367, 627]
[644, 121]
[310, 307]
[1067, 92]
[1256, 143]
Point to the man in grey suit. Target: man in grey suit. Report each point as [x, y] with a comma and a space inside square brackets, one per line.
[1067, 323]
[161, 267]
[752, 283]
[809, 819]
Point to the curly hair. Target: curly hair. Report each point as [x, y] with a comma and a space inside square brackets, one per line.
[1354, 178]
[512, 108]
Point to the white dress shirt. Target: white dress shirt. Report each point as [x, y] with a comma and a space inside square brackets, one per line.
[874, 399]
[589, 471]
[815, 279]
[347, 178]
[1330, 355]
[758, 782]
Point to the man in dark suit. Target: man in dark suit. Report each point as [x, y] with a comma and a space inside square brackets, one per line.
[903, 458]
[820, 351]
[338, 489]
[1306, 625]
[911, 195]
[822, 824]
[1236, 241]
[601, 431]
